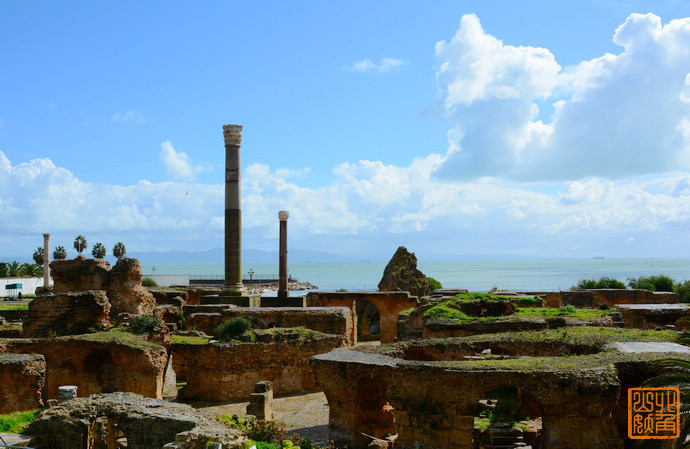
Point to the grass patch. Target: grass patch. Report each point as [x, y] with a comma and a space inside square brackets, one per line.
[189, 340]
[548, 312]
[10, 327]
[15, 422]
[118, 336]
[14, 307]
[407, 311]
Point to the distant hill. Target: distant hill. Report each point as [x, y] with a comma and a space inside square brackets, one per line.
[216, 255]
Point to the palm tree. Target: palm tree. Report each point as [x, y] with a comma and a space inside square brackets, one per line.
[80, 244]
[31, 270]
[3, 270]
[38, 256]
[60, 253]
[119, 250]
[98, 251]
[13, 269]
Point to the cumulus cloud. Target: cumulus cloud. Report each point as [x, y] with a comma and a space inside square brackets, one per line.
[612, 117]
[367, 66]
[177, 163]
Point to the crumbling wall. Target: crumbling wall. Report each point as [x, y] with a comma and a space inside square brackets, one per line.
[96, 363]
[125, 292]
[23, 379]
[228, 371]
[610, 296]
[329, 320]
[79, 275]
[67, 314]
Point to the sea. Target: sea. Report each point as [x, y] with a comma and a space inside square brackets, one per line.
[473, 275]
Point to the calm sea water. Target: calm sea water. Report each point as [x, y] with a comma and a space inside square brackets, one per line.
[483, 275]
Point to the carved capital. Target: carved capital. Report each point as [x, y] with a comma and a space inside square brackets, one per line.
[283, 215]
[232, 134]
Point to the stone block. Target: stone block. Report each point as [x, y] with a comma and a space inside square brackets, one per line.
[23, 379]
[67, 314]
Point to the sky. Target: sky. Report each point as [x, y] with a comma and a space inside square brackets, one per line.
[458, 129]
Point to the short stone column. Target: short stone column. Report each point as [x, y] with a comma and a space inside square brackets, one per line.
[67, 392]
[46, 260]
[261, 401]
[283, 255]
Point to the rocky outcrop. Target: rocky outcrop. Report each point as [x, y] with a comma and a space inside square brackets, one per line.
[67, 314]
[23, 378]
[125, 291]
[79, 275]
[401, 274]
[100, 420]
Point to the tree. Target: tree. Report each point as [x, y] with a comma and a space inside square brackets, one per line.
[14, 269]
[60, 253]
[3, 270]
[31, 270]
[98, 251]
[602, 282]
[38, 256]
[119, 250]
[659, 283]
[80, 244]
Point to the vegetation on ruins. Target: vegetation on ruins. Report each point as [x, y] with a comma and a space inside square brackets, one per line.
[119, 250]
[565, 311]
[602, 282]
[98, 251]
[148, 282]
[17, 421]
[232, 328]
[189, 339]
[433, 283]
[145, 324]
[80, 244]
[60, 253]
[117, 336]
[38, 256]
[267, 434]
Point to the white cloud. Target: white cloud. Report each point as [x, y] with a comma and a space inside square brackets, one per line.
[132, 116]
[177, 163]
[613, 117]
[367, 66]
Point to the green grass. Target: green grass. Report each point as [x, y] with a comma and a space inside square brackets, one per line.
[15, 422]
[118, 336]
[10, 327]
[189, 340]
[547, 312]
[14, 307]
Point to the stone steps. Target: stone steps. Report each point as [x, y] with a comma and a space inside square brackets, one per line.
[504, 436]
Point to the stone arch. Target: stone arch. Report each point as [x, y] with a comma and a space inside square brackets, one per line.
[368, 317]
[100, 372]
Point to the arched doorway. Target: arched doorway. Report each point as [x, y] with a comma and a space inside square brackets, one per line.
[99, 372]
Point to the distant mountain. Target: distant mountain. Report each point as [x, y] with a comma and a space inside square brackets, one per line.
[216, 255]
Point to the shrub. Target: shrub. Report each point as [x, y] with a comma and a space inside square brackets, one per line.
[565, 310]
[16, 422]
[435, 285]
[145, 324]
[148, 282]
[602, 282]
[683, 291]
[659, 283]
[232, 328]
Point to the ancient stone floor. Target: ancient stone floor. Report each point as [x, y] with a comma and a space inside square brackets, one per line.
[306, 414]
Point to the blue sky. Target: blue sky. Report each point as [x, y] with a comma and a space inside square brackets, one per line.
[533, 129]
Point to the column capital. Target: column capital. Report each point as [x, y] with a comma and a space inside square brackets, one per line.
[283, 215]
[232, 134]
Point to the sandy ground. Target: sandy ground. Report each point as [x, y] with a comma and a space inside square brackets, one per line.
[306, 414]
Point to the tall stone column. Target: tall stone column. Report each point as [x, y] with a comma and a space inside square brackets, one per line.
[233, 213]
[46, 260]
[282, 255]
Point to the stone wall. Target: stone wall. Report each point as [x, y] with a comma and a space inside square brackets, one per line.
[96, 363]
[329, 320]
[389, 305]
[67, 314]
[79, 275]
[434, 404]
[219, 372]
[23, 379]
[651, 316]
[99, 421]
[596, 297]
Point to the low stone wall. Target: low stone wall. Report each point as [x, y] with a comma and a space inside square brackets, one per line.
[447, 328]
[388, 304]
[171, 296]
[97, 363]
[596, 297]
[99, 421]
[220, 372]
[194, 294]
[650, 316]
[23, 379]
[67, 314]
[329, 320]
